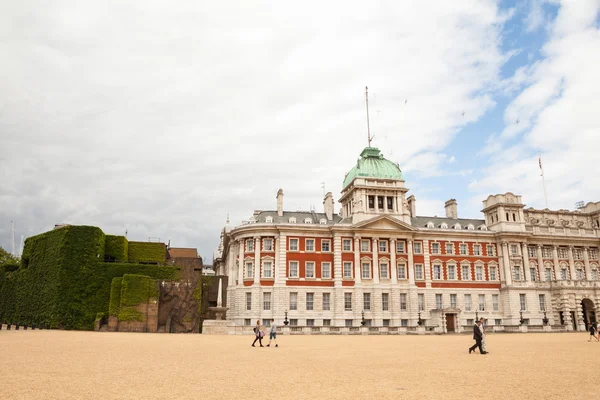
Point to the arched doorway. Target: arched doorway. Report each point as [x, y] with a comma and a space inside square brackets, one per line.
[589, 312]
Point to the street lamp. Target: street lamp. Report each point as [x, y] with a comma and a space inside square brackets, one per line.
[420, 322]
[363, 322]
[545, 320]
[521, 320]
[285, 321]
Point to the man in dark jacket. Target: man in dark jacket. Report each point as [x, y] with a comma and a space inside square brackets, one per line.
[478, 336]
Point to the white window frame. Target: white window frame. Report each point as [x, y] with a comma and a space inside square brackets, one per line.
[267, 301]
[547, 274]
[265, 269]
[403, 302]
[462, 272]
[297, 265]
[516, 270]
[533, 274]
[468, 302]
[383, 246]
[313, 244]
[451, 247]
[346, 248]
[400, 247]
[293, 301]
[495, 302]
[493, 270]
[385, 302]
[477, 250]
[514, 249]
[249, 269]
[248, 301]
[439, 301]
[481, 303]
[419, 272]
[362, 246]
[490, 250]
[347, 301]
[249, 245]
[523, 301]
[435, 248]
[451, 271]
[326, 267]
[295, 241]
[418, 248]
[437, 272]
[270, 246]
[326, 300]
[542, 301]
[465, 247]
[323, 242]
[367, 299]
[384, 266]
[363, 264]
[310, 306]
[312, 270]
[453, 300]
[344, 265]
[421, 301]
[401, 267]
[479, 273]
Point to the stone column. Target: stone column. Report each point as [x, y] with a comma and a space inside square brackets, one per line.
[257, 260]
[556, 263]
[541, 267]
[375, 243]
[393, 266]
[241, 263]
[586, 261]
[572, 264]
[281, 268]
[377, 204]
[506, 264]
[337, 261]
[357, 273]
[411, 265]
[526, 261]
[276, 278]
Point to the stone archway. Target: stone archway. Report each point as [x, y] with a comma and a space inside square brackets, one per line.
[588, 310]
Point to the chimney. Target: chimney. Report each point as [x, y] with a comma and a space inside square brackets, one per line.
[412, 205]
[280, 202]
[451, 209]
[328, 204]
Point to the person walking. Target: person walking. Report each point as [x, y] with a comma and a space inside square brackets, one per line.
[593, 332]
[273, 333]
[483, 336]
[478, 337]
[258, 334]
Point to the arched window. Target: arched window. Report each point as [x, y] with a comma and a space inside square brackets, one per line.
[430, 225]
[457, 226]
[444, 225]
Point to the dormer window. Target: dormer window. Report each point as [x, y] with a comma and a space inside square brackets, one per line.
[292, 220]
[308, 220]
[457, 226]
[444, 225]
[323, 221]
[269, 219]
[483, 228]
[471, 227]
[430, 224]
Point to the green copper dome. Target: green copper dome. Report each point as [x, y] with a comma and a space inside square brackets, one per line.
[372, 165]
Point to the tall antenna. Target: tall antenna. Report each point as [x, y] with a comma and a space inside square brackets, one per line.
[369, 137]
[12, 238]
[21, 247]
[543, 181]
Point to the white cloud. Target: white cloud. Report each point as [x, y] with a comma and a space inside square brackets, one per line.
[161, 119]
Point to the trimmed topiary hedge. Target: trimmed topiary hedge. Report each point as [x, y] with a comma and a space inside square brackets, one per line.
[116, 248]
[136, 290]
[115, 297]
[147, 252]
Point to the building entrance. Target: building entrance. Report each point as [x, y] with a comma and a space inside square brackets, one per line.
[450, 323]
[589, 312]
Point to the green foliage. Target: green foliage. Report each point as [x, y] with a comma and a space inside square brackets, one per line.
[147, 252]
[7, 259]
[100, 317]
[115, 297]
[116, 248]
[136, 290]
[130, 314]
[9, 267]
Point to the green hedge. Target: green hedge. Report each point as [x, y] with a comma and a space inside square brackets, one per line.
[116, 248]
[114, 304]
[136, 290]
[147, 252]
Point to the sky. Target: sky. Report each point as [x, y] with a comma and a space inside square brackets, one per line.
[163, 120]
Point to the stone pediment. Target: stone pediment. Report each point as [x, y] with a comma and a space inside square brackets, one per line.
[384, 222]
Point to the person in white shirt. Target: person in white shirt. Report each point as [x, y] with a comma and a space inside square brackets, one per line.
[483, 335]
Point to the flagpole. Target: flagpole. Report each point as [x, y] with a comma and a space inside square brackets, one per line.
[544, 181]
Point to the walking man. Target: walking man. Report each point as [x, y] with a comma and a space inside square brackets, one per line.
[273, 334]
[477, 335]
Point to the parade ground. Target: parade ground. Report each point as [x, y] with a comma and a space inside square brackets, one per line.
[99, 365]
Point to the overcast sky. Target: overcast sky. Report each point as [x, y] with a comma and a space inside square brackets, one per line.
[161, 118]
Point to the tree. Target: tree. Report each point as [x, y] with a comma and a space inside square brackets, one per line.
[8, 262]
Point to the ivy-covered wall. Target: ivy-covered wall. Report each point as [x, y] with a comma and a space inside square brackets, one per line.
[147, 252]
[64, 281]
[135, 290]
[116, 248]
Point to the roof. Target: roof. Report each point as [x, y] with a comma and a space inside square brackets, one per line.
[183, 252]
[421, 222]
[371, 164]
[261, 217]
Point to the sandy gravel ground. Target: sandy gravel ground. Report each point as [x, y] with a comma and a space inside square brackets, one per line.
[90, 365]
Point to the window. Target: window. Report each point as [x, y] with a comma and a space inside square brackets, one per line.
[403, 302]
[463, 249]
[348, 323]
[467, 302]
[514, 250]
[479, 273]
[449, 248]
[579, 274]
[268, 244]
[248, 301]
[325, 245]
[310, 301]
[404, 322]
[437, 272]
[482, 302]
[364, 245]
[517, 273]
[542, 299]
[267, 301]
[498, 321]
[438, 301]
[310, 269]
[548, 274]
[293, 244]
[293, 269]
[451, 272]
[386, 322]
[491, 250]
[532, 252]
[383, 246]
[310, 322]
[326, 301]
[326, 270]
[532, 274]
[577, 254]
[523, 301]
[380, 202]
[400, 247]
[310, 244]
[347, 245]
[390, 203]
[367, 301]
[562, 252]
[385, 301]
[435, 248]
[493, 273]
[495, 304]
[401, 271]
[384, 271]
[419, 272]
[250, 245]
[308, 220]
[293, 301]
[546, 252]
[348, 301]
[421, 301]
[267, 269]
[249, 269]
[247, 322]
[453, 300]
[477, 249]
[347, 269]
[294, 322]
[593, 254]
[366, 270]
[418, 247]
[371, 202]
[563, 274]
[594, 274]
[465, 272]
[326, 322]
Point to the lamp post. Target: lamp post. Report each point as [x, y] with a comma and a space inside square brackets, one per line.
[545, 320]
[362, 321]
[476, 315]
[521, 320]
[420, 321]
[285, 321]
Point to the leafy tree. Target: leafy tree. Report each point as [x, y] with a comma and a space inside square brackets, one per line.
[7, 261]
